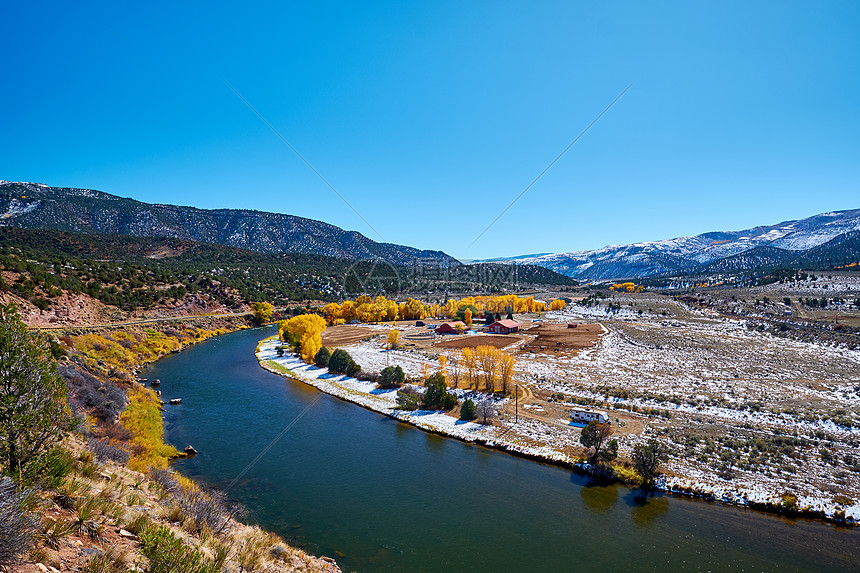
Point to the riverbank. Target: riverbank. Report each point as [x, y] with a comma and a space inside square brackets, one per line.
[530, 439]
[112, 470]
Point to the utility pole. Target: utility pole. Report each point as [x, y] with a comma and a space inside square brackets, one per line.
[516, 403]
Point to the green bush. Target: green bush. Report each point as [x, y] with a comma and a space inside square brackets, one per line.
[339, 361]
[436, 394]
[55, 466]
[407, 401]
[322, 357]
[352, 369]
[392, 377]
[169, 554]
[468, 411]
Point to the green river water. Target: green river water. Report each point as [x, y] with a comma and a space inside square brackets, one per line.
[378, 495]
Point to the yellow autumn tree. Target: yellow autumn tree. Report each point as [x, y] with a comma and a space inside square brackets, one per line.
[557, 304]
[262, 312]
[506, 370]
[443, 363]
[488, 362]
[467, 317]
[304, 333]
[470, 365]
[456, 372]
[393, 338]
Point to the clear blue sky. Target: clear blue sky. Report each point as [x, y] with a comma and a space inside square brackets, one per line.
[431, 117]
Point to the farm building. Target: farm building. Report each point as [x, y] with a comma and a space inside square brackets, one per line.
[586, 415]
[504, 327]
[450, 327]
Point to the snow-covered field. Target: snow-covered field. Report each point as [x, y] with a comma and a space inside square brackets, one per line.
[370, 396]
[749, 417]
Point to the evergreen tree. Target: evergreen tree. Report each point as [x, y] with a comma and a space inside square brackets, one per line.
[33, 408]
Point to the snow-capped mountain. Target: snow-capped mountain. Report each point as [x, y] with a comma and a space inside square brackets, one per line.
[686, 254]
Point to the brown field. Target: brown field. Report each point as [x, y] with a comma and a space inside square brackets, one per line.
[346, 333]
[560, 338]
[499, 341]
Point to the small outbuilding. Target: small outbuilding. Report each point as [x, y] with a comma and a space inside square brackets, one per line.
[572, 325]
[504, 327]
[586, 415]
[451, 327]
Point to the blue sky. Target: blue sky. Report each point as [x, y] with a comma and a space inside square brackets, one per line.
[431, 117]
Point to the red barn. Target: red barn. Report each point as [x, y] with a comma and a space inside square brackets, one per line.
[450, 327]
[504, 326]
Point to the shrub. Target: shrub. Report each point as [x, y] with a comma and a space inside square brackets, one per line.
[407, 401]
[789, 503]
[169, 554]
[322, 357]
[105, 451]
[16, 524]
[368, 376]
[339, 361]
[54, 530]
[206, 508]
[468, 411]
[112, 560]
[87, 393]
[392, 377]
[353, 369]
[87, 510]
[143, 418]
[54, 467]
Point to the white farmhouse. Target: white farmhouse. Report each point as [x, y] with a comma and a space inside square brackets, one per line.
[585, 415]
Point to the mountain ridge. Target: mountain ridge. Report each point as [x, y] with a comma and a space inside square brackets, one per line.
[36, 205]
[700, 252]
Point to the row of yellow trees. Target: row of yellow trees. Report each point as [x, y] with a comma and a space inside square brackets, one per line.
[627, 287]
[380, 309]
[484, 366]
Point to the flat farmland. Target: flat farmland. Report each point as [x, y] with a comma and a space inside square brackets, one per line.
[551, 338]
[499, 341]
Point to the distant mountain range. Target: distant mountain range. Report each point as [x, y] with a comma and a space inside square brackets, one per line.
[37, 206]
[828, 239]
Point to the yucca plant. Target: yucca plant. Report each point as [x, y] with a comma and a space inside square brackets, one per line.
[87, 509]
[54, 530]
[68, 493]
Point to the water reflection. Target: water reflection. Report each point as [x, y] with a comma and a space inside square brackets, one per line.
[646, 506]
[599, 498]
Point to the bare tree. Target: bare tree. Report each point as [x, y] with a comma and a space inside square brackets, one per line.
[33, 408]
[487, 411]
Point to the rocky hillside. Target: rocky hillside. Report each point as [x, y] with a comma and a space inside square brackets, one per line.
[37, 206]
[824, 239]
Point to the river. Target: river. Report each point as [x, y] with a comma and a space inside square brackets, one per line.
[378, 495]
